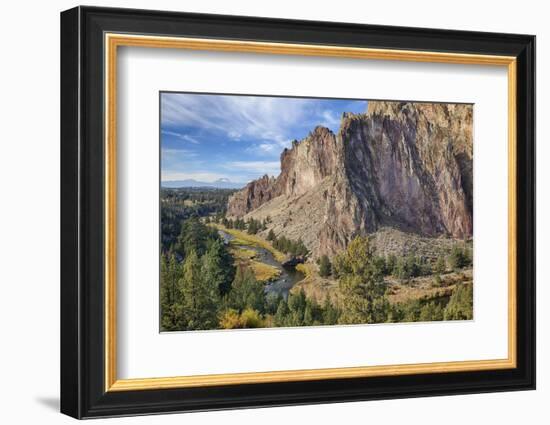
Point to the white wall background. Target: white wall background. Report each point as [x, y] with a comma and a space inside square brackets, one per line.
[29, 213]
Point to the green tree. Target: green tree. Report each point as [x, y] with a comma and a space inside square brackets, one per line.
[325, 267]
[170, 295]
[460, 306]
[272, 301]
[246, 291]
[281, 316]
[218, 266]
[431, 311]
[440, 266]
[297, 306]
[194, 236]
[391, 262]
[252, 227]
[380, 263]
[459, 258]
[271, 235]
[200, 296]
[361, 284]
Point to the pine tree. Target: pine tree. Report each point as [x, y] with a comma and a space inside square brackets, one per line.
[246, 291]
[460, 305]
[218, 268]
[201, 297]
[271, 235]
[459, 258]
[391, 262]
[361, 284]
[282, 313]
[170, 295]
[440, 266]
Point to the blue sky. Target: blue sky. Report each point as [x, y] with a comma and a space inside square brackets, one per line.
[240, 138]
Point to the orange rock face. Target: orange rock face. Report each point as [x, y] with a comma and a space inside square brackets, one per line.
[401, 165]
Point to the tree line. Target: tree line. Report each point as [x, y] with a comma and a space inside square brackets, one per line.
[409, 266]
[287, 245]
[252, 226]
[178, 205]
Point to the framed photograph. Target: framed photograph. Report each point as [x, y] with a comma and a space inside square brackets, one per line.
[261, 212]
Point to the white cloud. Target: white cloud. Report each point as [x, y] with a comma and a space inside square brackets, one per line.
[330, 119]
[268, 149]
[238, 117]
[181, 136]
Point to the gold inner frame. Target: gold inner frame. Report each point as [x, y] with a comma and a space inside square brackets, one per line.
[113, 41]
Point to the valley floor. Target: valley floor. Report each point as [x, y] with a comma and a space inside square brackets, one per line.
[318, 288]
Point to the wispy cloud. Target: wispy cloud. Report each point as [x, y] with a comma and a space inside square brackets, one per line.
[267, 148]
[207, 137]
[178, 153]
[270, 119]
[330, 119]
[185, 137]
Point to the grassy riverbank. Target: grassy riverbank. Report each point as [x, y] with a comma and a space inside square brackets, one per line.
[247, 257]
[243, 238]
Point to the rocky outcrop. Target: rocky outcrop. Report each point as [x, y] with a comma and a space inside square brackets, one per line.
[254, 194]
[400, 165]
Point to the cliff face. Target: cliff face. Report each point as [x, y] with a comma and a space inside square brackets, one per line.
[401, 165]
[303, 167]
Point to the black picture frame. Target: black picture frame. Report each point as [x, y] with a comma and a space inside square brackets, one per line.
[83, 392]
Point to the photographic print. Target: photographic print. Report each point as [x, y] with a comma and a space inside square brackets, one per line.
[289, 211]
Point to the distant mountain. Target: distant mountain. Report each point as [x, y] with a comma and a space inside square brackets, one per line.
[222, 183]
[406, 166]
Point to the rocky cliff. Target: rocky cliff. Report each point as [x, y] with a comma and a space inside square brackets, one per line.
[400, 165]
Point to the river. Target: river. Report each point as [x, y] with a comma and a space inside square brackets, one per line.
[289, 275]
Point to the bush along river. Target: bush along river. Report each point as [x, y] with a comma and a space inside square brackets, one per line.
[288, 277]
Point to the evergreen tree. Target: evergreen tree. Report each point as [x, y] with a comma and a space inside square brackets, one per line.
[431, 311]
[440, 266]
[218, 266]
[271, 235]
[281, 316]
[361, 284]
[460, 305]
[391, 262]
[297, 305]
[459, 258]
[253, 227]
[272, 301]
[194, 236]
[201, 297]
[246, 291]
[170, 295]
